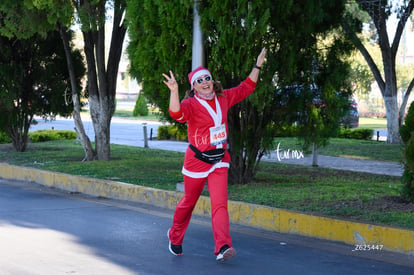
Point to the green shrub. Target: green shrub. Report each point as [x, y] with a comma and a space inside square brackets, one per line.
[181, 135]
[171, 132]
[359, 133]
[407, 137]
[48, 135]
[140, 108]
[286, 131]
[4, 138]
[162, 133]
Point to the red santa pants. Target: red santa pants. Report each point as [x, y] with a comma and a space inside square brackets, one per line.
[217, 187]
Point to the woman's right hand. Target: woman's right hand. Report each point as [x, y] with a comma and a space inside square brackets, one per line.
[174, 97]
[170, 82]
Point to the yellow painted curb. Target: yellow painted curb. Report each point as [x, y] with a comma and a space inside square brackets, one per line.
[273, 219]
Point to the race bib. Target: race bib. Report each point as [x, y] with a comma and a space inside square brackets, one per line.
[218, 135]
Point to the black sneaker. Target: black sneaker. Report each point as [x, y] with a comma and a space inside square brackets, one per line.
[226, 253]
[176, 250]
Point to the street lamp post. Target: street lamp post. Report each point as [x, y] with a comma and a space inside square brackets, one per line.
[198, 49]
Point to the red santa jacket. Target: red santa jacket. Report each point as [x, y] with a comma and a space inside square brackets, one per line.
[202, 118]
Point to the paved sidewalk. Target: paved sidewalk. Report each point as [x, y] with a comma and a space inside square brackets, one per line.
[350, 164]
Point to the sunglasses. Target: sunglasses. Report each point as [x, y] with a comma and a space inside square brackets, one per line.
[200, 80]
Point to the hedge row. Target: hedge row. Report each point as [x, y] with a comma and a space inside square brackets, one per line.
[358, 133]
[171, 132]
[174, 133]
[48, 135]
[4, 138]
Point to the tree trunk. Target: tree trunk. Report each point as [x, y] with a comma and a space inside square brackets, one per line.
[246, 141]
[102, 126]
[315, 155]
[235, 147]
[19, 141]
[390, 91]
[391, 106]
[102, 77]
[80, 130]
[19, 133]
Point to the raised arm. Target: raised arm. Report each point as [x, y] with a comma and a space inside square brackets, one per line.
[254, 74]
[174, 96]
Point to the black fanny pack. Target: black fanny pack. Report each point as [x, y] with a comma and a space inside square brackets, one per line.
[209, 156]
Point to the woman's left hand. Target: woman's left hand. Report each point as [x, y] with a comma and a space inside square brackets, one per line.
[261, 57]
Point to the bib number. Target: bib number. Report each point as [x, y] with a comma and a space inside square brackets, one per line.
[218, 135]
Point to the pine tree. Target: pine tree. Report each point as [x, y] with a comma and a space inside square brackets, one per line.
[407, 136]
[140, 108]
[235, 31]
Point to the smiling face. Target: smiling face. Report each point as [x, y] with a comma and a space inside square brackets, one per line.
[203, 85]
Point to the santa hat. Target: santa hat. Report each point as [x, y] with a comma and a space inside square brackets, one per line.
[196, 74]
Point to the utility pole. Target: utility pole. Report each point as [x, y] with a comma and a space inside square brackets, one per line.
[198, 47]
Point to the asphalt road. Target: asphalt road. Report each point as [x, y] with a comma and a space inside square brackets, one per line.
[47, 231]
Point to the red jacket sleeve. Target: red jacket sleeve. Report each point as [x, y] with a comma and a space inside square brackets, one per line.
[243, 90]
[176, 115]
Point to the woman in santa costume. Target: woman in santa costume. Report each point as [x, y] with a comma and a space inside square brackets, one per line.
[205, 111]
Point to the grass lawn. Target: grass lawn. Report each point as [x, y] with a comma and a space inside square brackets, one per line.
[359, 196]
[352, 148]
[372, 123]
[128, 114]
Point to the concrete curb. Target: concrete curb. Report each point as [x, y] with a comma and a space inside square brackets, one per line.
[272, 219]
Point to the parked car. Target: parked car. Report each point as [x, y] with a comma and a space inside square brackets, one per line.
[291, 94]
[351, 120]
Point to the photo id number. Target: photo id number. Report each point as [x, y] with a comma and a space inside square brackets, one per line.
[367, 247]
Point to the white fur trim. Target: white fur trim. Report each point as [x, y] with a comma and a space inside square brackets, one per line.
[217, 117]
[200, 175]
[198, 74]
